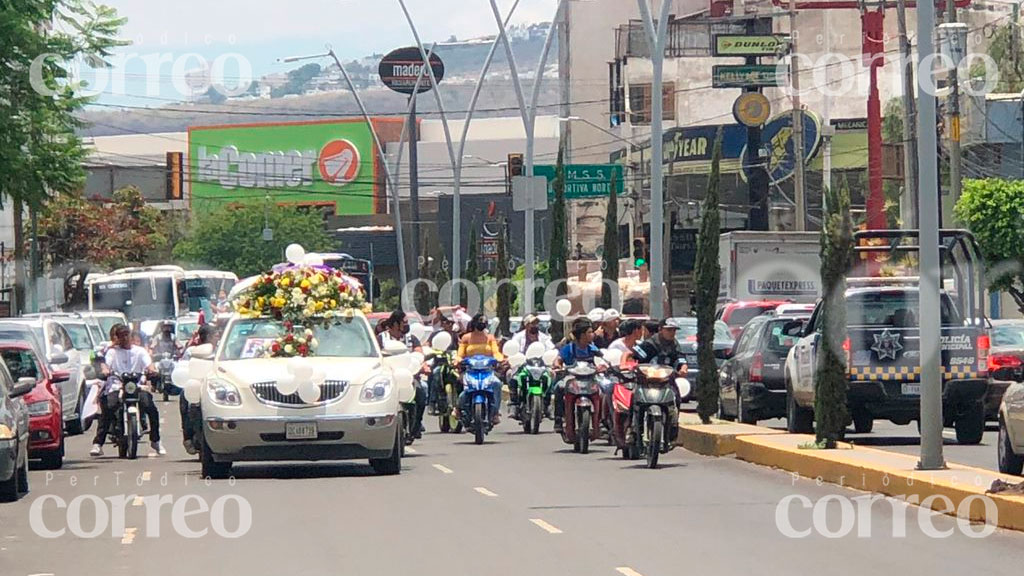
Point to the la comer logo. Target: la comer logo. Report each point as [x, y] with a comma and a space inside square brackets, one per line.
[339, 162]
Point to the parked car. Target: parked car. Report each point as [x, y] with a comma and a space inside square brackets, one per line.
[46, 430]
[246, 417]
[14, 435]
[753, 384]
[58, 350]
[1005, 362]
[1011, 430]
[106, 319]
[737, 314]
[686, 336]
[185, 327]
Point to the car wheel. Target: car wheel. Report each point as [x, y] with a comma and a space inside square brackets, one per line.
[54, 460]
[74, 427]
[722, 414]
[742, 414]
[391, 465]
[211, 469]
[863, 421]
[1009, 462]
[970, 424]
[798, 420]
[22, 477]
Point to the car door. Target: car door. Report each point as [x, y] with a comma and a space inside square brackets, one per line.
[56, 336]
[17, 409]
[733, 369]
[805, 353]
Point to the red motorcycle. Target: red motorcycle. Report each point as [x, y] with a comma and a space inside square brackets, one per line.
[582, 406]
[621, 410]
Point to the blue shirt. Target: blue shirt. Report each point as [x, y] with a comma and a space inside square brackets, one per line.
[571, 353]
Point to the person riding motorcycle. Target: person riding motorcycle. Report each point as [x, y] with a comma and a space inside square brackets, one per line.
[444, 324]
[662, 348]
[124, 357]
[477, 342]
[164, 341]
[523, 339]
[580, 348]
[632, 334]
[396, 327]
[608, 331]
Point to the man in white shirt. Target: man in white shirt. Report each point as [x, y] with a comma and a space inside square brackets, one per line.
[123, 358]
[632, 333]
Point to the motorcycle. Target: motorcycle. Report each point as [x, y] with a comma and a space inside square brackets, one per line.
[166, 368]
[655, 415]
[447, 388]
[477, 380]
[128, 426]
[533, 380]
[621, 412]
[582, 406]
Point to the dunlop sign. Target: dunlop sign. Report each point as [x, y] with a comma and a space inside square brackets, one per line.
[739, 45]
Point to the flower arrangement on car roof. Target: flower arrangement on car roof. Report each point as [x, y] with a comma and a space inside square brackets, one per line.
[301, 295]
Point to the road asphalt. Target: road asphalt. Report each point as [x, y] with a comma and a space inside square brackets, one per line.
[518, 505]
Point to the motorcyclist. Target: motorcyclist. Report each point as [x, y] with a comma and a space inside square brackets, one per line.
[530, 334]
[477, 342]
[444, 324]
[632, 334]
[396, 327]
[580, 348]
[164, 341]
[662, 348]
[608, 331]
[124, 357]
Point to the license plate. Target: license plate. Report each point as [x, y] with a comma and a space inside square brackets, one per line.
[911, 389]
[300, 431]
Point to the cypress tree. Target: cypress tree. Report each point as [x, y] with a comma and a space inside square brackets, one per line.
[472, 275]
[708, 273]
[501, 276]
[559, 245]
[610, 257]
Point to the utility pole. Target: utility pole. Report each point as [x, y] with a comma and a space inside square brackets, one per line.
[953, 108]
[928, 240]
[908, 207]
[757, 179]
[414, 182]
[34, 259]
[826, 109]
[798, 125]
[565, 80]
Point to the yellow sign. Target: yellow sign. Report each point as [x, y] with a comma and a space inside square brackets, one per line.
[955, 128]
[752, 109]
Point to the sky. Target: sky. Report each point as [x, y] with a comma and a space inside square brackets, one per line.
[255, 33]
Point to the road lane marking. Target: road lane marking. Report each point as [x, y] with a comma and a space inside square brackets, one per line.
[139, 501]
[545, 526]
[146, 476]
[410, 451]
[485, 492]
[444, 469]
[627, 571]
[129, 535]
[42, 574]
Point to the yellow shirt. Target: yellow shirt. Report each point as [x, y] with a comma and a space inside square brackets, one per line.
[489, 348]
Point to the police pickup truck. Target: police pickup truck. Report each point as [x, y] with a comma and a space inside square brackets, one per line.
[883, 347]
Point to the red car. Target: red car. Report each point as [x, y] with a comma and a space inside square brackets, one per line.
[737, 314]
[46, 422]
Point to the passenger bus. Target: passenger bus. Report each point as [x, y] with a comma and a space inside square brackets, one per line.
[151, 293]
[207, 284]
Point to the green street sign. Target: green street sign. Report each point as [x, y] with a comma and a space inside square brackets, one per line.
[741, 45]
[752, 76]
[585, 180]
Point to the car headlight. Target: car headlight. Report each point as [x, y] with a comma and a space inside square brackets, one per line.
[375, 390]
[40, 408]
[6, 433]
[223, 393]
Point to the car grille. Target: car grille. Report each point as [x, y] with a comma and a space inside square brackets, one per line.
[268, 393]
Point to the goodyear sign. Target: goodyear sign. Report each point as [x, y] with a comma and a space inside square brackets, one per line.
[740, 45]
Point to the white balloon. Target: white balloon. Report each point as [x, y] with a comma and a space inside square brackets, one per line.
[516, 360]
[301, 368]
[309, 392]
[416, 361]
[550, 356]
[402, 377]
[510, 349]
[199, 369]
[180, 376]
[684, 387]
[442, 341]
[287, 384]
[318, 377]
[535, 350]
[295, 253]
[563, 307]
[193, 391]
[596, 315]
[419, 331]
[613, 357]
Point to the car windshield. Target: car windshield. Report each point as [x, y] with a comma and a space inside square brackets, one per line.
[185, 330]
[150, 298]
[79, 336]
[1008, 335]
[740, 316]
[20, 363]
[777, 340]
[97, 333]
[894, 309]
[253, 338]
[108, 322]
[687, 330]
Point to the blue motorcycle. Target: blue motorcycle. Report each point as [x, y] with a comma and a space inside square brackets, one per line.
[478, 400]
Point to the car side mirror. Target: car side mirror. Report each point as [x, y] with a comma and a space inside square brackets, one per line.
[58, 376]
[794, 328]
[394, 348]
[58, 357]
[22, 387]
[203, 352]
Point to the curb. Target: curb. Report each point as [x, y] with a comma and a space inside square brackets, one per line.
[718, 439]
[891, 474]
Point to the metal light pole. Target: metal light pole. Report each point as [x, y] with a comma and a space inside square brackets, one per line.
[798, 124]
[656, 40]
[928, 240]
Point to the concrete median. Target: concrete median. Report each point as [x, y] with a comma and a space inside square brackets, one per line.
[715, 439]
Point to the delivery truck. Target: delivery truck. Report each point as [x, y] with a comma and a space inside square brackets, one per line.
[777, 266]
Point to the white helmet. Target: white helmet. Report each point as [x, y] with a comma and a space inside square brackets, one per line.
[610, 314]
[596, 315]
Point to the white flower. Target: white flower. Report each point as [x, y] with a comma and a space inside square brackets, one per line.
[314, 344]
[288, 348]
[309, 333]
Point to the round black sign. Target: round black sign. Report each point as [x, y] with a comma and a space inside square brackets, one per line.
[400, 69]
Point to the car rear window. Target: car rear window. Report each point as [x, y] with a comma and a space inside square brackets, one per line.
[1012, 335]
[740, 316]
[893, 309]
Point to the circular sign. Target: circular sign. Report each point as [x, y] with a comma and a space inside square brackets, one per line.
[752, 109]
[400, 70]
[339, 162]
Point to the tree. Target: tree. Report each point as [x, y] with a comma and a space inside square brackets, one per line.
[41, 41]
[298, 79]
[231, 238]
[472, 274]
[708, 274]
[892, 133]
[610, 255]
[831, 415]
[504, 307]
[1005, 51]
[559, 244]
[993, 210]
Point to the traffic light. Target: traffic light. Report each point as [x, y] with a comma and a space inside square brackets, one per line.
[515, 165]
[639, 252]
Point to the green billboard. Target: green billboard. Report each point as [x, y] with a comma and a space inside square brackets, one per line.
[329, 164]
[585, 180]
